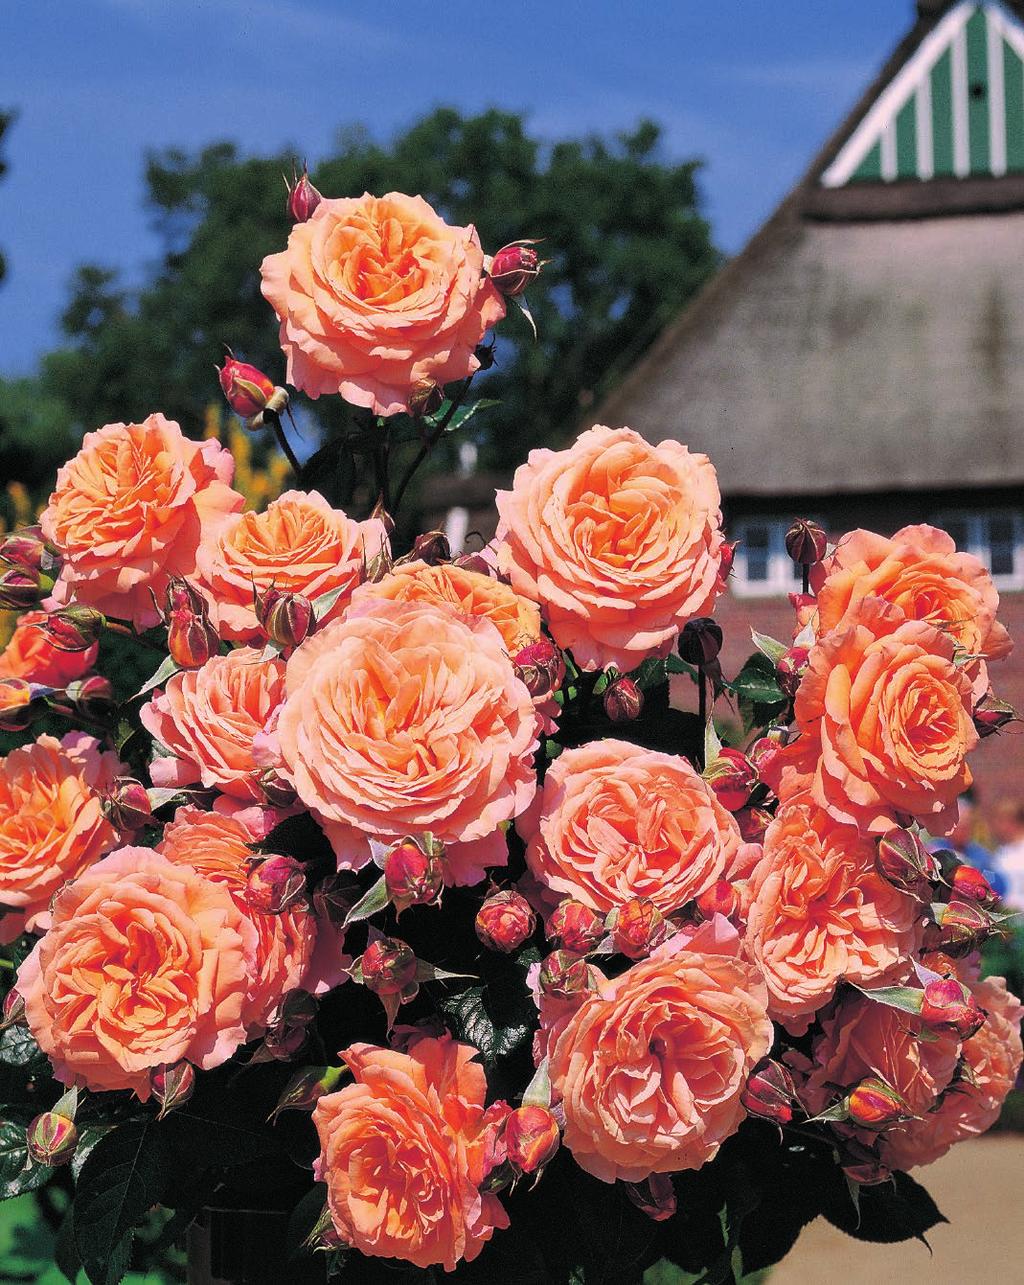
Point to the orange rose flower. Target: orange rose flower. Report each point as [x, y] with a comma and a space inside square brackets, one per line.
[650, 1069]
[218, 847]
[818, 912]
[615, 821]
[972, 1104]
[30, 655]
[51, 822]
[920, 571]
[402, 1154]
[405, 718]
[299, 544]
[147, 963]
[377, 296]
[129, 512]
[618, 540]
[884, 722]
[208, 718]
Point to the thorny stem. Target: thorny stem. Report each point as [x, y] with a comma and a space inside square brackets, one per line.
[431, 441]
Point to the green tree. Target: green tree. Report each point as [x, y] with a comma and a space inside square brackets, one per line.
[622, 228]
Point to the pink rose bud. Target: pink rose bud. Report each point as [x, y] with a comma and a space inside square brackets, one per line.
[949, 1005]
[790, 669]
[728, 558]
[247, 389]
[564, 975]
[541, 667]
[732, 776]
[514, 267]
[335, 896]
[505, 921]
[278, 792]
[182, 596]
[275, 885]
[303, 198]
[27, 548]
[432, 548]
[623, 700]
[720, 899]
[904, 860]
[127, 806]
[74, 628]
[474, 562]
[752, 823]
[389, 967]
[992, 715]
[972, 884]
[873, 1104]
[575, 927]
[191, 639]
[285, 618]
[52, 1139]
[13, 1010]
[412, 877]
[960, 927]
[700, 641]
[21, 588]
[425, 399]
[765, 750]
[769, 1092]
[172, 1085]
[655, 1196]
[637, 927]
[92, 696]
[806, 542]
[531, 1138]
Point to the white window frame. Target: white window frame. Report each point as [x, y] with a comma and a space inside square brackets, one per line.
[783, 574]
[979, 542]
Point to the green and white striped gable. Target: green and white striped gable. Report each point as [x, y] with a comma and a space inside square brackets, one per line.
[955, 108]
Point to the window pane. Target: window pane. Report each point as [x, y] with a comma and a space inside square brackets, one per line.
[1001, 541]
[756, 540]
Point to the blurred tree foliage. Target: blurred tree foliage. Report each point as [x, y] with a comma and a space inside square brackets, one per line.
[622, 228]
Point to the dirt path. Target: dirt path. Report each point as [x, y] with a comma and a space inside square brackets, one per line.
[979, 1186]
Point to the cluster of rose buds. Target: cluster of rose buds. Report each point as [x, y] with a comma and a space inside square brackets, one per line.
[29, 568]
[414, 875]
[505, 921]
[191, 638]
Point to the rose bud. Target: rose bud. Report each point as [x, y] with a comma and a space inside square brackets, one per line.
[564, 975]
[861, 1164]
[769, 1092]
[992, 715]
[27, 549]
[700, 641]
[306, 1087]
[971, 883]
[74, 628]
[191, 639]
[541, 667]
[16, 704]
[655, 1196]
[282, 1043]
[21, 588]
[412, 877]
[474, 562]
[960, 927]
[720, 899]
[949, 1005]
[335, 896]
[732, 776]
[247, 389]
[513, 268]
[432, 547]
[172, 1085]
[752, 823]
[389, 967]
[873, 1104]
[13, 1010]
[531, 1138]
[425, 399]
[285, 618]
[127, 806]
[623, 700]
[765, 749]
[303, 198]
[278, 792]
[505, 921]
[51, 1139]
[806, 542]
[275, 885]
[575, 927]
[904, 860]
[790, 669]
[637, 927]
[92, 696]
[728, 558]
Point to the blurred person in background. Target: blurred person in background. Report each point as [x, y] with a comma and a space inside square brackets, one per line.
[963, 842]
[1008, 830]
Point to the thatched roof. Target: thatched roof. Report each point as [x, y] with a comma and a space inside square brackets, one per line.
[869, 337]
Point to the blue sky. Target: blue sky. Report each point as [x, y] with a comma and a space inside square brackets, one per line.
[751, 86]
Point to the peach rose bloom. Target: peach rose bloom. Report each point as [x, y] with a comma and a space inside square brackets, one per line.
[818, 913]
[972, 1103]
[30, 655]
[218, 847]
[865, 1038]
[920, 571]
[649, 1070]
[404, 718]
[614, 821]
[402, 1154]
[884, 722]
[208, 718]
[299, 544]
[618, 540]
[129, 512]
[377, 296]
[51, 822]
[147, 963]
